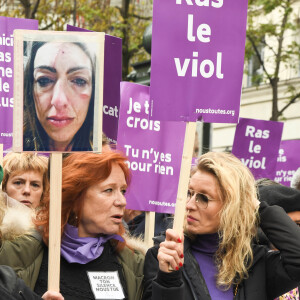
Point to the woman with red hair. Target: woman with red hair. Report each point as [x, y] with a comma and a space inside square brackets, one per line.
[96, 261]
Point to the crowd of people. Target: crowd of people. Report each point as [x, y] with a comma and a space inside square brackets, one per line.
[241, 238]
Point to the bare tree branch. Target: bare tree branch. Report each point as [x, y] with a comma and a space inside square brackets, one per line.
[135, 50]
[35, 8]
[293, 100]
[119, 9]
[49, 25]
[140, 17]
[74, 13]
[259, 57]
[269, 47]
[280, 39]
[25, 3]
[125, 8]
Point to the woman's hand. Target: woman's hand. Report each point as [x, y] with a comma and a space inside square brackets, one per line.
[170, 252]
[50, 295]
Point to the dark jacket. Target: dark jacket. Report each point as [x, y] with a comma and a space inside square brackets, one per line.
[271, 274]
[25, 255]
[14, 288]
[136, 226]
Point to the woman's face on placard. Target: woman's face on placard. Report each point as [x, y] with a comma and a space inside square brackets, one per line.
[62, 91]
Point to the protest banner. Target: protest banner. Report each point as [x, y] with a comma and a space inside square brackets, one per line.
[7, 26]
[256, 144]
[196, 68]
[111, 84]
[288, 161]
[154, 149]
[60, 106]
[197, 60]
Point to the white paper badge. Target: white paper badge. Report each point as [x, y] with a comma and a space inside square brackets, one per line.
[106, 285]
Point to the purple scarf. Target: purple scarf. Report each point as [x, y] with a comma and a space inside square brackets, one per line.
[83, 249]
[204, 249]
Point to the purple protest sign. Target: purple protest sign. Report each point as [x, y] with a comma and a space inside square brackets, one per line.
[288, 161]
[197, 60]
[256, 144]
[154, 149]
[112, 79]
[7, 26]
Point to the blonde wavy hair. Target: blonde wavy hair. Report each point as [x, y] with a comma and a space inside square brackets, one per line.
[17, 163]
[238, 216]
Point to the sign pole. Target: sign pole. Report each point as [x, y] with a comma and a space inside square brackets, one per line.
[1, 154]
[149, 227]
[184, 176]
[1, 159]
[55, 221]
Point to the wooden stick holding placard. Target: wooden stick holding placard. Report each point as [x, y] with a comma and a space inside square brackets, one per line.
[149, 227]
[185, 169]
[1, 154]
[1, 159]
[184, 176]
[55, 221]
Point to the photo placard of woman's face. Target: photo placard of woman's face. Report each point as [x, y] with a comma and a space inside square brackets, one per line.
[58, 96]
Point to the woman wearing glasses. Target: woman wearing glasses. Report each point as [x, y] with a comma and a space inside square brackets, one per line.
[216, 258]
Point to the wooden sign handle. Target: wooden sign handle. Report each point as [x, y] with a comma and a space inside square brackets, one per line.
[55, 221]
[184, 176]
[149, 228]
[1, 159]
[185, 169]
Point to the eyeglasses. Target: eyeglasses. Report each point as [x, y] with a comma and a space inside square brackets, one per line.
[200, 199]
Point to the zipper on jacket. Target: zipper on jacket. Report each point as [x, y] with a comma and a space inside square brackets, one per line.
[235, 292]
[22, 295]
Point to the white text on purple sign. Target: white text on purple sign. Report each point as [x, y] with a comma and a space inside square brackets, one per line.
[156, 158]
[207, 68]
[5, 71]
[143, 123]
[252, 132]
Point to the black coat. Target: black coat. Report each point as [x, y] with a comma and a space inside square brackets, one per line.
[136, 226]
[14, 288]
[271, 274]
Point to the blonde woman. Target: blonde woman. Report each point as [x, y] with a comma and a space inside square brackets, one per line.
[26, 178]
[216, 258]
[18, 245]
